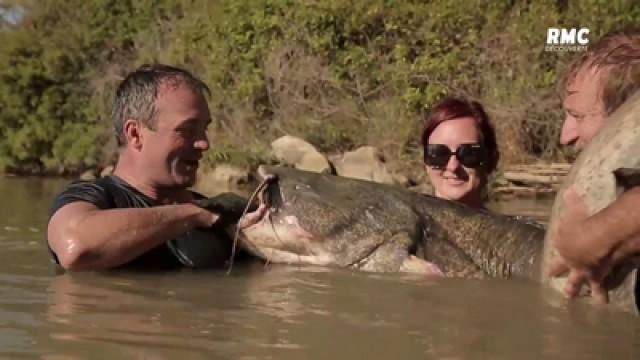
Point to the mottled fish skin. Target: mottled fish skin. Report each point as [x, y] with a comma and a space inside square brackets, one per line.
[605, 168]
[360, 224]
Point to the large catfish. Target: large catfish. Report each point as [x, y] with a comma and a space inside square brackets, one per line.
[336, 221]
[329, 220]
[607, 167]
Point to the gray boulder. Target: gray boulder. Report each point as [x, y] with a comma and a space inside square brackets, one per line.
[366, 163]
[293, 151]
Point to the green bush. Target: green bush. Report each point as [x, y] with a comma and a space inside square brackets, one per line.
[338, 73]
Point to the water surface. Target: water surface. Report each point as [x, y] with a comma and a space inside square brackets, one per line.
[279, 312]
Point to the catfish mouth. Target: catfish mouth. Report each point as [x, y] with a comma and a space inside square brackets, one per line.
[277, 236]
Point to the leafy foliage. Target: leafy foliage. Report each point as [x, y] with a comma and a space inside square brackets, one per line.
[338, 73]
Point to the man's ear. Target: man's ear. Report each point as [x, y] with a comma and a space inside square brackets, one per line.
[133, 133]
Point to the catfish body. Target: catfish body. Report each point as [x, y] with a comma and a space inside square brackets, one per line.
[328, 220]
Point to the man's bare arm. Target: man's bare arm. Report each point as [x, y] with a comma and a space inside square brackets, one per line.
[591, 246]
[611, 232]
[87, 238]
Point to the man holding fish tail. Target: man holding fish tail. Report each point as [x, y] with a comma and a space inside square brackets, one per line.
[590, 247]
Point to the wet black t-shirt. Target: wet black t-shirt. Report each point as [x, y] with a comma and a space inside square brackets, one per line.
[111, 192]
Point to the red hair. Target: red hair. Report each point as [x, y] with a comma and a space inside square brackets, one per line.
[453, 108]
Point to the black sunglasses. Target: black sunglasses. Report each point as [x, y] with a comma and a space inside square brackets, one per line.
[469, 155]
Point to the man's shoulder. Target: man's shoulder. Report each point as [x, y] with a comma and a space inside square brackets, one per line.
[105, 193]
[100, 183]
[84, 184]
[80, 190]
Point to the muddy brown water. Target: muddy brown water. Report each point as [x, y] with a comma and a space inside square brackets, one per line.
[280, 312]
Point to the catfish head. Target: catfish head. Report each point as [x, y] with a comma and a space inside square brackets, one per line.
[328, 220]
[301, 215]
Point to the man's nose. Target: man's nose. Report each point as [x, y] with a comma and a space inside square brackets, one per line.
[569, 133]
[202, 143]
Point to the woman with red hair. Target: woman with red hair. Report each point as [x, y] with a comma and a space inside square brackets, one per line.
[460, 150]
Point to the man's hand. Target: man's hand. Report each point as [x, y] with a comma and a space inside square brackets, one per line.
[230, 208]
[585, 257]
[579, 276]
[253, 217]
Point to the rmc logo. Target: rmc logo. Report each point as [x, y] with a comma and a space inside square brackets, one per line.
[562, 39]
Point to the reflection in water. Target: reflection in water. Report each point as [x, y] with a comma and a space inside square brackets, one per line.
[339, 314]
[536, 209]
[291, 313]
[279, 312]
[134, 315]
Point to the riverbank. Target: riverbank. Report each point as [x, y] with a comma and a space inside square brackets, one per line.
[338, 73]
[531, 180]
[521, 180]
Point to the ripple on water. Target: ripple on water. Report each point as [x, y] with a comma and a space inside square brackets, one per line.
[280, 312]
[22, 302]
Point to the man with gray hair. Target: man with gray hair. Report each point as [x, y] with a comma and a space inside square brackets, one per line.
[160, 119]
[597, 83]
